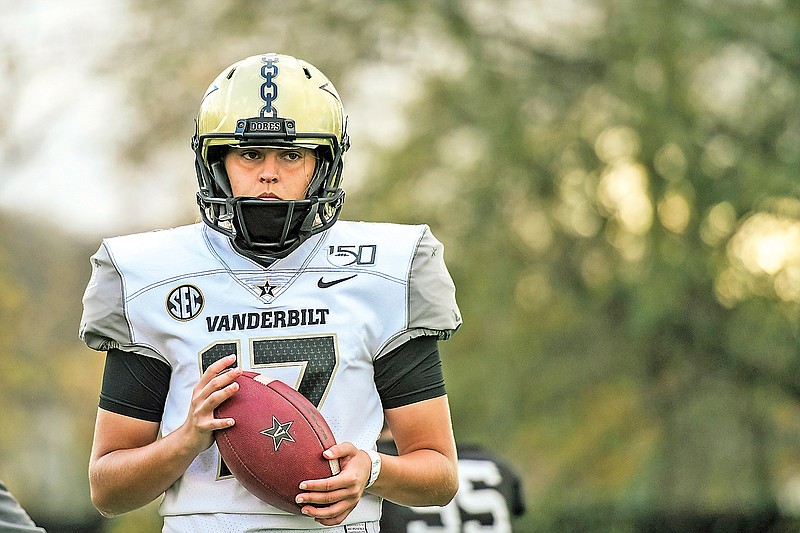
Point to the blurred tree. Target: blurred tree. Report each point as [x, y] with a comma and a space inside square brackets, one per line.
[48, 385]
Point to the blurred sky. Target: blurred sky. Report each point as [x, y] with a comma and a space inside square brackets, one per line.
[57, 160]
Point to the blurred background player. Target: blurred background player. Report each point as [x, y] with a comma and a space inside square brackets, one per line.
[489, 499]
[13, 518]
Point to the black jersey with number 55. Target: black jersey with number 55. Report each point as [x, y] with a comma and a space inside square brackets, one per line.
[489, 498]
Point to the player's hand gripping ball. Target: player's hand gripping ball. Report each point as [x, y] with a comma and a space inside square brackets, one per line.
[276, 442]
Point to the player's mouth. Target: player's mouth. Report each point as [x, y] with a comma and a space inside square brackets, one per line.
[269, 196]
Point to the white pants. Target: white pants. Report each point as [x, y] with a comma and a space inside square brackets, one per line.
[209, 523]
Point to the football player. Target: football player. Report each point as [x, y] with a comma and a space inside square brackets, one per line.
[489, 499]
[349, 313]
[13, 518]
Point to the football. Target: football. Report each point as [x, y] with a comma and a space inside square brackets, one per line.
[276, 442]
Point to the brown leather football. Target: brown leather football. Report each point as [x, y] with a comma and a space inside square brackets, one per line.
[276, 442]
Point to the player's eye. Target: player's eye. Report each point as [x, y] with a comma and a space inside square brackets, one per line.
[293, 155]
[250, 155]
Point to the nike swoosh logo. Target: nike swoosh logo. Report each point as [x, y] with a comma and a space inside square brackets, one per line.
[322, 284]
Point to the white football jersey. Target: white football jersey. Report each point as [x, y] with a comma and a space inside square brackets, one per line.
[316, 320]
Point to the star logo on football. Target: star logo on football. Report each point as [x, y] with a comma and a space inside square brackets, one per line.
[279, 432]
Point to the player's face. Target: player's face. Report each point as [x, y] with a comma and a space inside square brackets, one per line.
[276, 173]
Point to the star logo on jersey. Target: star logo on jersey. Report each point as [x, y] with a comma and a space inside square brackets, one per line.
[267, 289]
[279, 432]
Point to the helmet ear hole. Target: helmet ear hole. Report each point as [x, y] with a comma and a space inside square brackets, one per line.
[221, 182]
[319, 179]
[216, 153]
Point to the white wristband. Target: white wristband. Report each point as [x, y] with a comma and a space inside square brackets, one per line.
[375, 469]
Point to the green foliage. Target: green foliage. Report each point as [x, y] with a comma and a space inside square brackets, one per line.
[48, 381]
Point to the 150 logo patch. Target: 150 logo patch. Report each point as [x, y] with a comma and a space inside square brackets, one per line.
[346, 255]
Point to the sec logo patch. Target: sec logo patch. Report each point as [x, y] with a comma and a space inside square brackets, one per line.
[185, 302]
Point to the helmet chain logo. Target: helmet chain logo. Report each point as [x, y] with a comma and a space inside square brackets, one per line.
[269, 91]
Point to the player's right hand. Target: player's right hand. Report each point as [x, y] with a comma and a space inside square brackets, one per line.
[215, 386]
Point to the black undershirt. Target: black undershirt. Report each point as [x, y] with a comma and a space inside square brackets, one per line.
[136, 385]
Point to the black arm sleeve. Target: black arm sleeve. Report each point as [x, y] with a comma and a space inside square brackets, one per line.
[410, 373]
[135, 385]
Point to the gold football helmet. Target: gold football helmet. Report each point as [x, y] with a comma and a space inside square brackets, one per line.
[270, 100]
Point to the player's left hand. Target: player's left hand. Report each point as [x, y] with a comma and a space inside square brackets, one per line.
[330, 500]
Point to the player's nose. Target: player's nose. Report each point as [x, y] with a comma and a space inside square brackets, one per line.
[268, 170]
